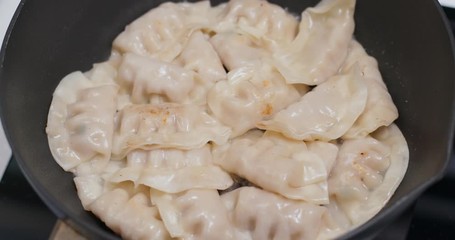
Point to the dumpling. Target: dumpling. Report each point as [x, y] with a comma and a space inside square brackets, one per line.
[276, 164]
[166, 125]
[321, 45]
[124, 208]
[380, 109]
[325, 113]
[367, 173]
[335, 222]
[129, 212]
[81, 121]
[326, 151]
[91, 183]
[194, 214]
[259, 19]
[258, 214]
[238, 50]
[162, 32]
[250, 95]
[146, 77]
[200, 56]
[104, 72]
[173, 170]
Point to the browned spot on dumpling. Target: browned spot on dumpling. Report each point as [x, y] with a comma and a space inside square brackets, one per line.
[267, 110]
[165, 116]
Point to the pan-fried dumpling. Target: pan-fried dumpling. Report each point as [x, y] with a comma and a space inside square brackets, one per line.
[325, 113]
[129, 212]
[173, 170]
[194, 214]
[249, 95]
[367, 172]
[146, 77]
[162, 32]
[380, 109]
[166, 125]
[102, 73]
[276, 164]
[321, 45]
[260, 19]
[81, 121]
[89, 188]
[335, 222]
[200, 56]
[326, 151]
[258, 214]
[238, 50]
[90, 183]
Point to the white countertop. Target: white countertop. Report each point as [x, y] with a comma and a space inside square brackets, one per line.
[7, 8]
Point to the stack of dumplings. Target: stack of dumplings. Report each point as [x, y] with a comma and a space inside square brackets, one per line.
[239, 121]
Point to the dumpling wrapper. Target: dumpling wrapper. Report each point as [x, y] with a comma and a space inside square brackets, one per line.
[146, 77]
[200, 56]
[278, 164]
[194, 214]
[129, 212]
[250, 94]
[163, 32]
[238, 50]
[258, 214]
[173, 170]
[380, 109]
[325, 113]
[321, 45]
[261, 20]
[368, 172]
[166, 125]
[81, 121]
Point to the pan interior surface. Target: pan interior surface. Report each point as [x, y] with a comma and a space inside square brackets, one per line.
[51, 38]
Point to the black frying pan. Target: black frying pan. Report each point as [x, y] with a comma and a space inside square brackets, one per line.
[50, 38]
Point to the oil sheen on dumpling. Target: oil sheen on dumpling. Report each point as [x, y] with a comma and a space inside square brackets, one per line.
[238, 50]
[81, 121]
[250, 95]
[259, 19]
[129, 212]
[162, 32]
[146, 77]
[367, 173]
[238, 121]
[166, 125]
[200, 56]
[277, 164]
[173, 170]
[258, 214]
[380, 109]
[321, 45]
[194, 214]
[325, 113]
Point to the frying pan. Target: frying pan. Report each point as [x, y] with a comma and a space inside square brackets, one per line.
[49, 38]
